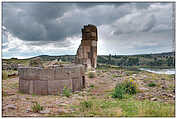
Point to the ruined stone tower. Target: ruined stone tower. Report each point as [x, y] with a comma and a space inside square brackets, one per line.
[87, 51]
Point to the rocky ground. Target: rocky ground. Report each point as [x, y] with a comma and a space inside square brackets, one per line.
[98, 91]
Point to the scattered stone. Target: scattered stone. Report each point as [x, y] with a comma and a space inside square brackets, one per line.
[170, 95]
[164, 94]
[163, 87]
[28, 110]
[44, 111]
[76, 91]
[162, 78]
[10, 106]
[143, 89]
[153, 99]
[63, 111]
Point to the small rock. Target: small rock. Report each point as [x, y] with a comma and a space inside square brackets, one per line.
[28, 110]
[44, 111]
[10, 106]
[162, 78]
[75, 95]
[114, 79]
[164, 94]
[76, 91]
[143, 88]
[153, 99]
[170, 95]
[163, 87]
[63, 111]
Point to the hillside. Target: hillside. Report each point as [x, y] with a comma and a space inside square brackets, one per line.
[145, 60]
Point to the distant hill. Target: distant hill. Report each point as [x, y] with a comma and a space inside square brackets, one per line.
[159, 59]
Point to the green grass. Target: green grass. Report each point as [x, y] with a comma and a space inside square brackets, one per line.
[66, 92]
[129, 107]
[4, 75]
[36, 107]
[115, 76]
[85, 105]
[92, 86]
[152, 84]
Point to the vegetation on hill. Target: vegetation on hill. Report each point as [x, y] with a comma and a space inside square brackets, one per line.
[145, 60]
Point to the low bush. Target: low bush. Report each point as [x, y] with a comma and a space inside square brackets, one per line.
[92, 86]
[66, 92]
[85, 105]
[152, 84]
[126, 87]
[36, 107]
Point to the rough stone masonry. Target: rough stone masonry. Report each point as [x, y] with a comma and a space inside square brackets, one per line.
[87, 51]
[45, 81]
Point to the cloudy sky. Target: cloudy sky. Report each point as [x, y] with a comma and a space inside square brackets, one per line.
[31, 29]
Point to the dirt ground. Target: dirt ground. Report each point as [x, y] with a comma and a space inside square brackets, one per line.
[17, 104]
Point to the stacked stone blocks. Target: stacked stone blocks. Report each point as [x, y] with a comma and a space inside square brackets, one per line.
[35, 80]
[87, 51]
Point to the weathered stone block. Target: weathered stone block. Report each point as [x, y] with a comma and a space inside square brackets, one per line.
[50, 81]
[88, 47]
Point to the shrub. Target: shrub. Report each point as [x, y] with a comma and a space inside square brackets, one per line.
[36, 107]
[66, 92]
[126, 87]
[152, 84]
[119, 92]
[85, 105]
[92, 86]
[4, 75]
[130, 87]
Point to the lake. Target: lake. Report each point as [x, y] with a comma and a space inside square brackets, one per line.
[159, 71]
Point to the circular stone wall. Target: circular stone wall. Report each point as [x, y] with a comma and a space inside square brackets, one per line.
[42, 81]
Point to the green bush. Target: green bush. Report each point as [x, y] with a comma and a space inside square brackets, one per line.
[92, 86]
[4, 75]
[119, 91]
[130, 87]
[152, 84]
[126, 87]
[85, 105]
[36, 107]
[66, 92]
[91, 75]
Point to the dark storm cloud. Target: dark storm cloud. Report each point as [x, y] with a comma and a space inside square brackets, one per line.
[55, 28]
[38, 21]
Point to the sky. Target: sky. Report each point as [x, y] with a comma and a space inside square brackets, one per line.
[32, 29]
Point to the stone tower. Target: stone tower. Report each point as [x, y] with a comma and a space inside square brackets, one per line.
[87, 51]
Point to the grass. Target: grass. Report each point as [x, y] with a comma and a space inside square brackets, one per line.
[4, 75]
[115, 76]
[92, 86]
[85, 105]
[152, 84]
[156, 109]
[36, 107]
[129, 107]
[66, 92]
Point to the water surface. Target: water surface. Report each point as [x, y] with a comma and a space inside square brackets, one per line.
[159, 71]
